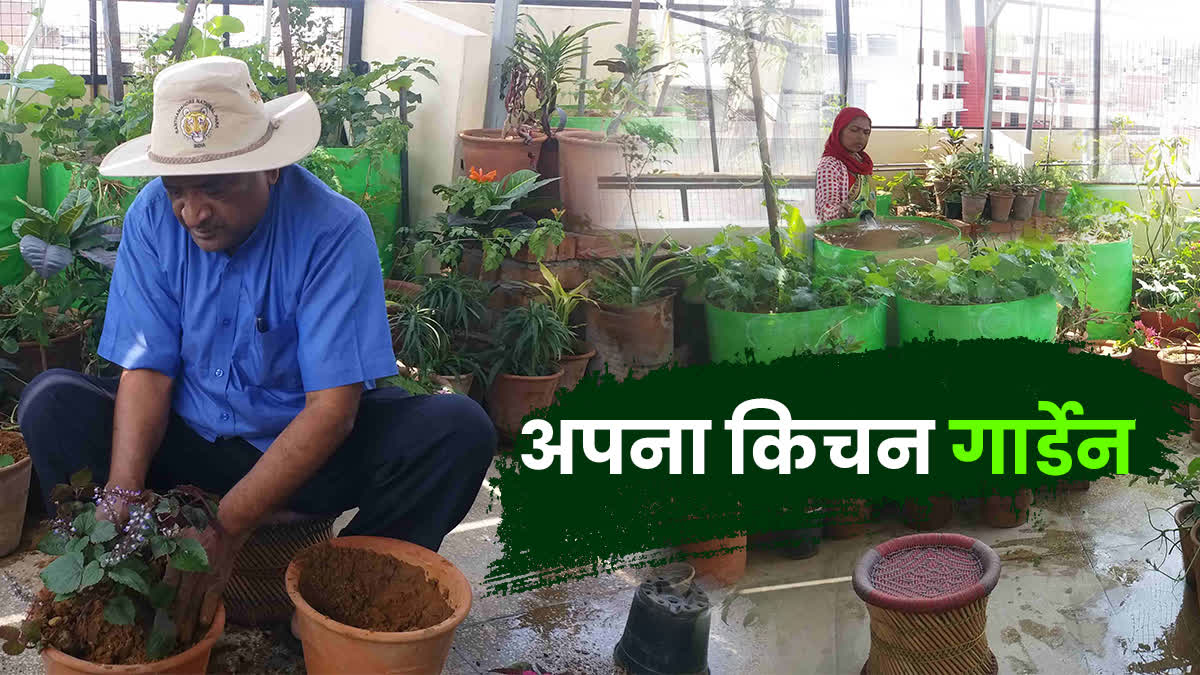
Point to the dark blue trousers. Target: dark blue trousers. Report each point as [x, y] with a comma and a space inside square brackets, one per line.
[412, 465]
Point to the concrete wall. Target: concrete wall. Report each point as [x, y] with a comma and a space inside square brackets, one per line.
[456, 101]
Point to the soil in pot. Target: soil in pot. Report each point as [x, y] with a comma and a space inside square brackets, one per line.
[81, 631]
[13, 444]
[1177, 362]
[886, 235]
[14, 490]
[370, 590]
[1004, 511]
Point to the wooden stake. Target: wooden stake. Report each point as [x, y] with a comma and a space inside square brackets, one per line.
[185, 28]
[764, 153]
[112, 40]
[285, 30]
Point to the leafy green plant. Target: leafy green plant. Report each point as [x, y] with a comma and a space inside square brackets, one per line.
[1164, 168]
[458, 303]
[637, 70]
[1009, 271]
[640, 147]
[1029, 180]
[1096, 218]
[16, 115]
[560, 299]
[529, 341]
[122, 564]
[640, 276]
[978, 181]
[352, 105]
[421, 342]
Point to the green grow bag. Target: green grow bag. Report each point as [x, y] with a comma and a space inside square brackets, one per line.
[678, 126]
[56, 183]
[830, 258]
[1035, 318]
[772, 336]
[1111, 289]
[358, 180]
[14, 182]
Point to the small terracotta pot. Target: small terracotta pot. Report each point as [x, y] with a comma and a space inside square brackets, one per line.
[972, 207]
[1146, 360]
[846, 518]
[192, 661]
[1193, 573]
[1108, 348]
[484, 150]
[14, 495]
[406, 287]
[1001, 511]
[1177, 362]
[726, 568]
[1187, 538]
[1054, 202]
[1002, 203]
[1164, 325]
[641, 338]
[1192, 382]
[461, 384]
[332, 647]
[1023, 204]
[928, 513]
[512, 397]
[574, 366]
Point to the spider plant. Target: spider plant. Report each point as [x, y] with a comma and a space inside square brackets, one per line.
[457, 302]
[420, 341]
[638, 278]
[550, 59]
[561, 300]
[530, 341]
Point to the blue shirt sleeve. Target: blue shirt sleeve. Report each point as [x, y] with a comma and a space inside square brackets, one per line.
[141, 324]
[342, 322]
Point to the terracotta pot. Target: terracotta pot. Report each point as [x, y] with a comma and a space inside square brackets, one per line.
[575, 366]
[1193, 573]
[640, 338]
[727, 568]
[406, 287]
[512, 397]
[1164, 325]
[1146, 360]
[583, 158]
[928, 513]
[1192, 382]
[1177, 362]
[919, 197]
[847, 518]
[1002, 203]
[192, 661]
[483, 149]
[1001, 511]
[461, 384]
[1054, 202]
[1022, 207]
[1108, 348]
[332, 647]
[1187, 539]
[14, 495]
[1195, 430]
[31, 358]
[972, 207]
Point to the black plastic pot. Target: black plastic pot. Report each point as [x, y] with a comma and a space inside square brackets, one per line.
[667, 630]
[952, 210]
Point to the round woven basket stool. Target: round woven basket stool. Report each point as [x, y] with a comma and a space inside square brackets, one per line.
[927, 596]
[256, 593]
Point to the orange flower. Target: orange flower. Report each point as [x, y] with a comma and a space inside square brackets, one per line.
[480, 176]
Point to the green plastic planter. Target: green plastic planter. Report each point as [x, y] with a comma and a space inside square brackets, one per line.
[678, 126]
[14, 182]
[829, 258]
[56, 183]
[1111, 289]
[772, 336]
[1035, 318]
[358, 179]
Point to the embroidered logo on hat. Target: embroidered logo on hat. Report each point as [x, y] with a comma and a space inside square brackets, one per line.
[196, 119]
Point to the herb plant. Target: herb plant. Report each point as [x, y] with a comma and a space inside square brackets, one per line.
[1096, 219]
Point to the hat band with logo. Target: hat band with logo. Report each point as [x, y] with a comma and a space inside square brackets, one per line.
[214, 156]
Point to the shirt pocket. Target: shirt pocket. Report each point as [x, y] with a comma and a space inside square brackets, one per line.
[279, 365]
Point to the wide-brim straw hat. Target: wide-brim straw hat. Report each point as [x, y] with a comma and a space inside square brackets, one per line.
[209, 118]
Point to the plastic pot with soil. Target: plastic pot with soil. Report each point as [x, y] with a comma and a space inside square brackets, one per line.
[1177, 362]
[15, 470]
[375, 605]
[1008, 511]
[484, 149]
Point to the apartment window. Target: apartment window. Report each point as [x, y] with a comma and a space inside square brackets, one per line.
[946, 120]
[936, 91]
[1068, 123]
[937, 59]
[962, 62]
[1016, 65]
[997, 93]
[958, 119]
[882, 45]
[1014, 120]
[1014, 92]
[962, 90]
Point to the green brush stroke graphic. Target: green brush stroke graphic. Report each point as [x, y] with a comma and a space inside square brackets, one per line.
[557, 527]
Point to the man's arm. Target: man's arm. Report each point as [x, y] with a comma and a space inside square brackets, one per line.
[139, 424]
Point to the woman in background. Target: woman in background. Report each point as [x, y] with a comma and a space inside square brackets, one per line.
[844, 169]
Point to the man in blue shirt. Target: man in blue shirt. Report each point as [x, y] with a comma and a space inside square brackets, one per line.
[247, 311]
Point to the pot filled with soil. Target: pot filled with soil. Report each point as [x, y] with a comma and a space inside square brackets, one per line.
[574, 365]
[485, 150]
[1185, 522]
[1145, 358]
[1023, 203]
[846, 518]
[972, 207]
[847, 243]
[1177, 362]
[928, 513]
[376, 605]
[1008, 511]
[15, 469]
[512, 397]
[1109, 348]
[1055, 199]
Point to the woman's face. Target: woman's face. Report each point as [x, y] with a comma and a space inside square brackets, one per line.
[856, 134]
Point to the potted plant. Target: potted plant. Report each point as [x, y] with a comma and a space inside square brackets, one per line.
[1145, 343]
[632, 324]
[1167, 292]
[15, 469]
[107, 598]
[1184, 515]
[575, 361]
[1001, 196]
[1177, 362]
[1057, 183]
[69, 253]
[975, 192]
[1007, 510]
[529, 344]
[1106, 226]
[1028, 188]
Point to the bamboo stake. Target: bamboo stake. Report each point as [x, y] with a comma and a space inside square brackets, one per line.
[185, 28]
[285, 31]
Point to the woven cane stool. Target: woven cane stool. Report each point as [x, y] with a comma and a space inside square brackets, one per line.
[256, 593]
[927, 596]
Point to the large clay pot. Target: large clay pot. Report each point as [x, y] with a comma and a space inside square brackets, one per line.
[583, 158]
[1022, 206]
[1001, 511]
[1055, 199]
[332, 647]
[1187, 540]
[1002, 203]
[483, 149]
[65, 351]
[1192, 382]
[1164, 325]
[1146, 360]
[574, 366]
[512, 397]
[928, 513]
[14, 494]
[972, 207]
[726, 568]
[847, 518]
[192, 661]
[1177, 362]
[638, 339]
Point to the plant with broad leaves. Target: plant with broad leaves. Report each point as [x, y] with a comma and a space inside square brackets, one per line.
[351, 105]
[560, 299]
[1096, 219]
[48, 80]
[7, 460]
[49, 243]
[124, 565]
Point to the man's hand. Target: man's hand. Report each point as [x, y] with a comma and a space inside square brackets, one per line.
[197, 593]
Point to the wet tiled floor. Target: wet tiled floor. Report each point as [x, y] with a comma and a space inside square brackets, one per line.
[1078, 594]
